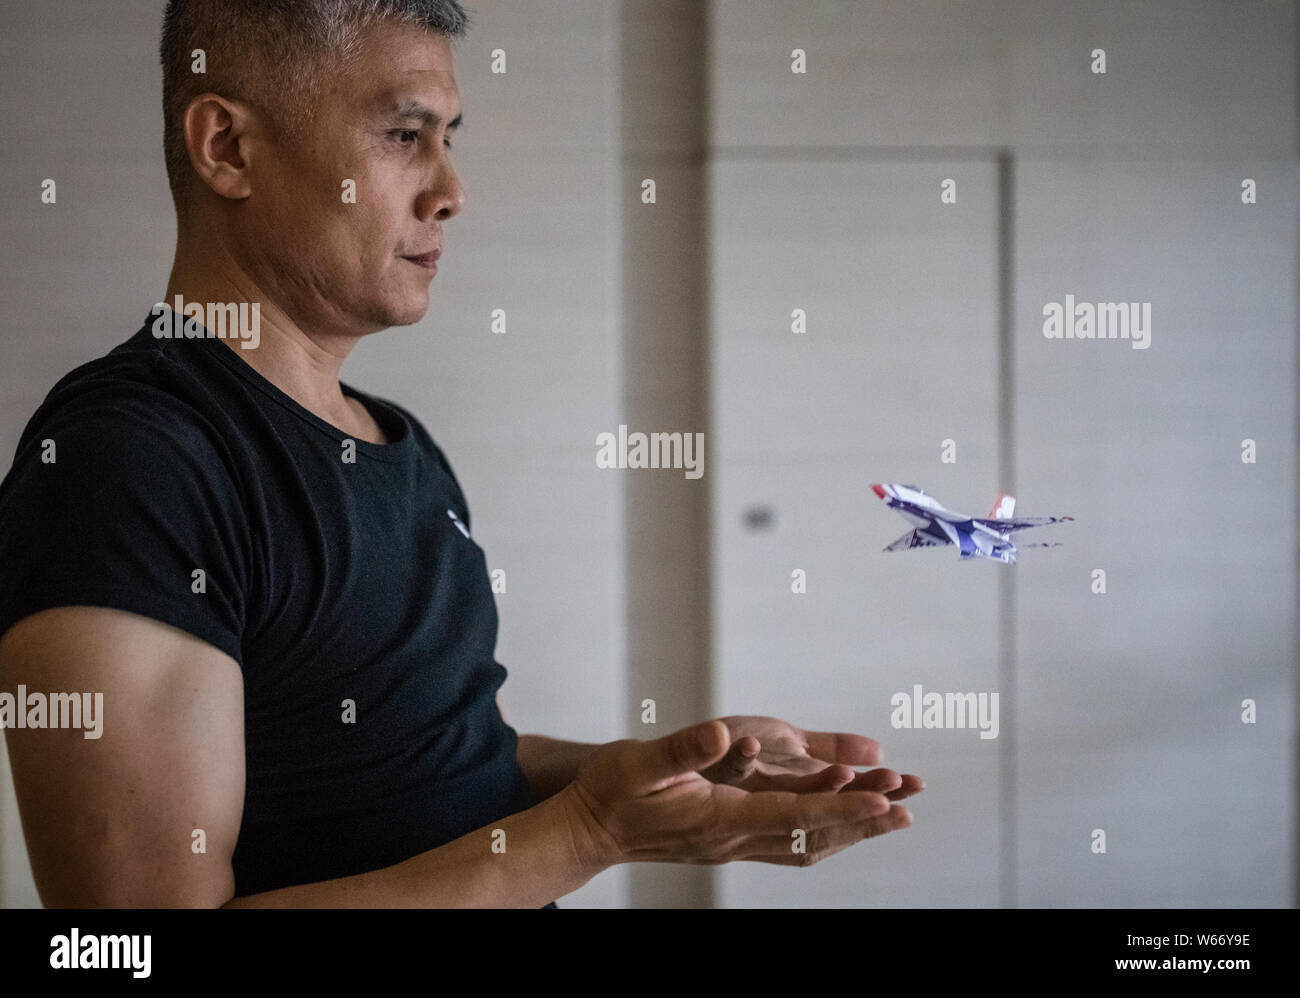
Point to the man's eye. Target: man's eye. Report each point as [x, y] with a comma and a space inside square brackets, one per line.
[401, 135]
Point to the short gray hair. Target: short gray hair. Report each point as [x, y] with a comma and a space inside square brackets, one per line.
[272, 53]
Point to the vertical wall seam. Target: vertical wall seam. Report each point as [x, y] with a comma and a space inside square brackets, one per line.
[1007, 653]
[708, 495]
[658, 653]
[1295, 620]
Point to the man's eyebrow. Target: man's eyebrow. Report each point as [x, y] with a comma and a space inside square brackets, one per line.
[415, 109]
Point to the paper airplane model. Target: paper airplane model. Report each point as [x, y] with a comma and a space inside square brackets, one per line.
[989, 537]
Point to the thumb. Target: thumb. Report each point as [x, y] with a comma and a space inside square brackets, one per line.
[684, 751]
[737, 765]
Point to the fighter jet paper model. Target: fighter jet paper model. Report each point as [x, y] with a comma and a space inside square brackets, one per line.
[989, 537]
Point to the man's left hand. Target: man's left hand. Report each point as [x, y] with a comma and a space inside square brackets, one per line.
[770, 754]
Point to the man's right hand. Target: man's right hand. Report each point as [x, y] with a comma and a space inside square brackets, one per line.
[645, 801]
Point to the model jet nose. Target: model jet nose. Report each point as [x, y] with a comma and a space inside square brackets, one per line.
[878, 490]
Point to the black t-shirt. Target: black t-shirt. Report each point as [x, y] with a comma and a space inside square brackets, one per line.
[341, 589]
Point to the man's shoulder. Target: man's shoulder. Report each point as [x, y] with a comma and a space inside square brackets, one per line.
[136, 391]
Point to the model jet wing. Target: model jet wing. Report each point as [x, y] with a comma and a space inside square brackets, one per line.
[916, 539]
[1019, 522]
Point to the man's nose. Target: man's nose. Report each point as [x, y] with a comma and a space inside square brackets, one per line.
[444, 197]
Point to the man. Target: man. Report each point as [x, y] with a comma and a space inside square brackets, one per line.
[271, 576]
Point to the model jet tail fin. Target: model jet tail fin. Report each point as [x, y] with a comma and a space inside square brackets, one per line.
[1003, 509]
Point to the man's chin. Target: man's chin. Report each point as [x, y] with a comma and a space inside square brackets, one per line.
[406, 314]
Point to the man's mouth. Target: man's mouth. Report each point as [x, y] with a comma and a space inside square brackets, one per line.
[429, 261]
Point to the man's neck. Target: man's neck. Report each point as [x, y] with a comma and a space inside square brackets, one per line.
[305, 366]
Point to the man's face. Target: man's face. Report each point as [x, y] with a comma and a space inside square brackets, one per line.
[353, 268]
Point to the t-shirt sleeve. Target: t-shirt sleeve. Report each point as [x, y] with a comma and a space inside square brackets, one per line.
[126, 506]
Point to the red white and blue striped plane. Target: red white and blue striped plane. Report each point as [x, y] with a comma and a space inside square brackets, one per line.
[987, 537]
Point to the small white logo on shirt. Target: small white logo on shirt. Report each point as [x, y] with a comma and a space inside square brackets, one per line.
[456, 520]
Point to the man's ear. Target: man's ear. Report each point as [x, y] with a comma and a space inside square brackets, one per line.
[219, 137]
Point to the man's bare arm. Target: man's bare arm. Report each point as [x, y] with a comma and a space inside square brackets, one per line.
[546, 854]
[110, 821]
[550, 763]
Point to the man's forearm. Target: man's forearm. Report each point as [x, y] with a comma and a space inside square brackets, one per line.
[547, 851]
[550, 763]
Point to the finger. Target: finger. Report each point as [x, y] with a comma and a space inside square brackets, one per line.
[829, 779]
[838, 837]
[684, 751]
[777, 813]
[882, 781]
[889, 783]
[820, 844]
[737, 765]
[897, 817]
[911, 785]
[837, 746]
[800, 764]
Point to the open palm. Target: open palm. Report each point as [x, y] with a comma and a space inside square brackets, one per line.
[768, 753]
